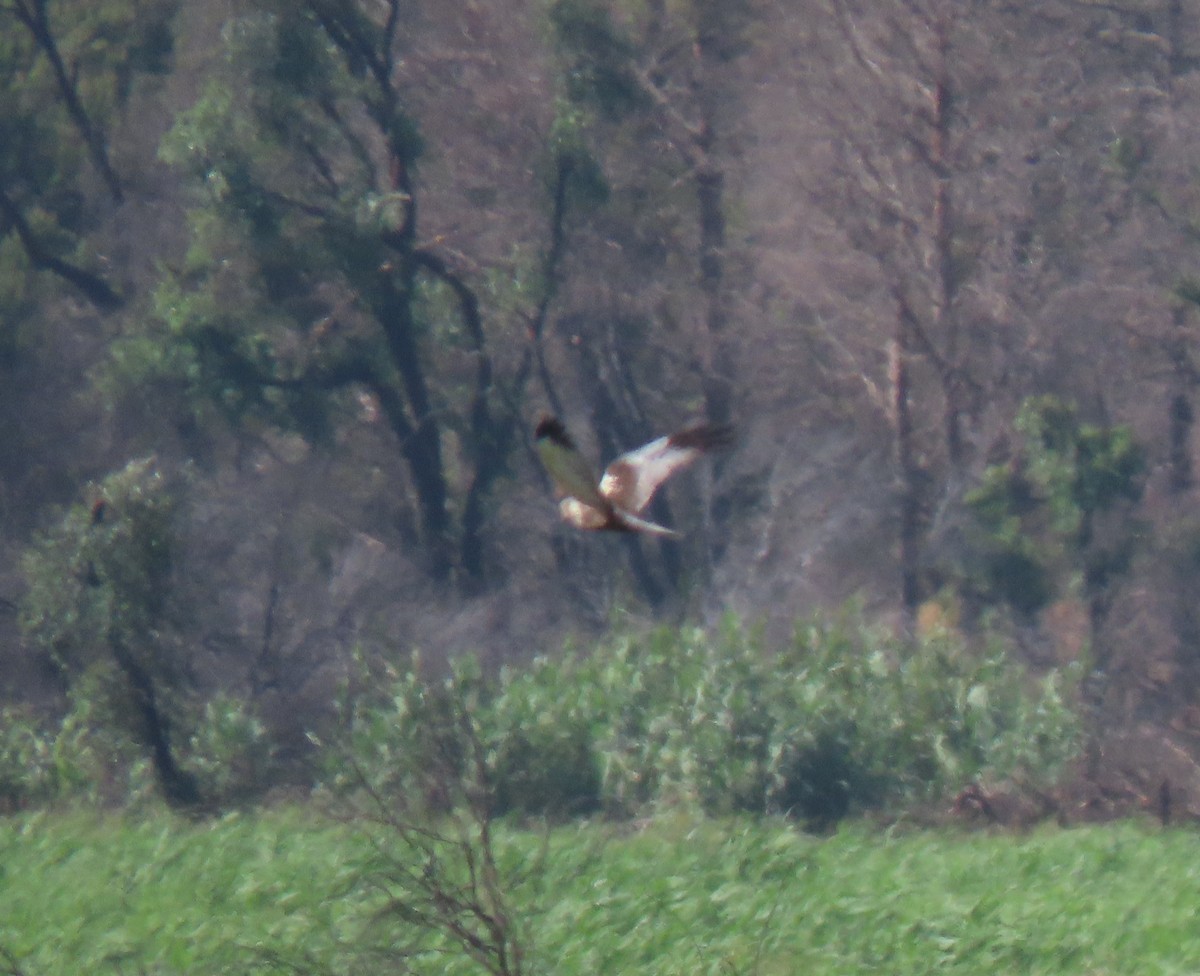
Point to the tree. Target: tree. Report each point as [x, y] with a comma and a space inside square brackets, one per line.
[1122, 333]
[306, 154]
[665, 75]
[650, 93]
[100, 602]
[67, 67]
[1057, 514]
[68, 70]
[924, 130]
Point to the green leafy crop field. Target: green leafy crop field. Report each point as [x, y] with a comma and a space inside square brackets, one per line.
[284, 892]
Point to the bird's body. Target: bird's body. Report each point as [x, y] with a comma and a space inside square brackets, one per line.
[629, 482]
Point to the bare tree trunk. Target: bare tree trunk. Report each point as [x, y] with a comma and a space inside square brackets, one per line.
[179, 787]
[1180, 415]
[98, 291]
[417, 426]
[551, 272]
[908, 474]
[32, 13]
[420, 436]
[710, 205]
[945, 318]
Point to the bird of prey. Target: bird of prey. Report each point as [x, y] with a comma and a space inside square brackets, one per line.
[628, 484]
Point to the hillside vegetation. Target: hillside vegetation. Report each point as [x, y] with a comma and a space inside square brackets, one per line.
[284, 286]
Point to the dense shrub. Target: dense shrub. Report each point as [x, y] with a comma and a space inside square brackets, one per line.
[86, 757]
[843, 718]
[545, 758]
[26, 759]
[80, 757]
[527, 738]
[228, 752]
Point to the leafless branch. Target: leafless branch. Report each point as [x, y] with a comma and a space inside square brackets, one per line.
[437, 871]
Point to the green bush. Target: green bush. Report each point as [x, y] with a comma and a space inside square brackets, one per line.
[229, 751]
[525, 737]
[26, 759]
[842, 718]
[87, 757]
[80, 758]
[861, 719]
[543, 757]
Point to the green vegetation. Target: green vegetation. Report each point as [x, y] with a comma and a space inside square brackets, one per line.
[431, 866]
[328, 259]
[68, 69]
[99, 610]
[1056, 515]
[839, 720]
[266, 894]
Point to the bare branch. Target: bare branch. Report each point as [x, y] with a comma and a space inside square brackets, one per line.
[93, 286]
[689, 136]
[33, 16]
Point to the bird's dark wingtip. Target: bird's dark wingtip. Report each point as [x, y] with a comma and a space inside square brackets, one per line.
[704, 437]
[550, 428]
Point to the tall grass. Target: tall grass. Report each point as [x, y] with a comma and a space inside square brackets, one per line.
[278, 894]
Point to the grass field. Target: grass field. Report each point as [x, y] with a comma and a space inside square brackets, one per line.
[275, 893]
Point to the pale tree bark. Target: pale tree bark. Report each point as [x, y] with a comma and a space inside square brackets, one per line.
[926, 177]
[907, 473]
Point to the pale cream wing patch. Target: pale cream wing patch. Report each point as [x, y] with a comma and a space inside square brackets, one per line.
[581, 515]
[633, 478]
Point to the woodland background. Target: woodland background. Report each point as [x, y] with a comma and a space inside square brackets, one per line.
[283, 286]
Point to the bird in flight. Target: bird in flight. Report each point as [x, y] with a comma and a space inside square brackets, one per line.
[628, 484]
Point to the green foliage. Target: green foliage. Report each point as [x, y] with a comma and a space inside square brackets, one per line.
[89, 757]
[67, 68]
[600, 57]
[417, 738]
[1188, 289]
[585, 183]
[229, 751]
[17, 301]
[1127, 155]
[98, 605]
[85, 757]
[308, 280]
[545, 759]
[399, 730]
[102, 575]
[97, 760]
[26, 759]
[279, 894]
[842, 719]
[1080, 469]
[274, 233]
[1038, 511]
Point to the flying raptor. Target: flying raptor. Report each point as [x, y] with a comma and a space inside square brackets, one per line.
[629, 482]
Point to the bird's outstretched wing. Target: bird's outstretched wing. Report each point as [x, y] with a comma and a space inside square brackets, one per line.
[632, 479]
[572, 475]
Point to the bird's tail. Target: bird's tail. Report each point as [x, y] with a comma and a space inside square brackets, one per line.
[642, 525]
